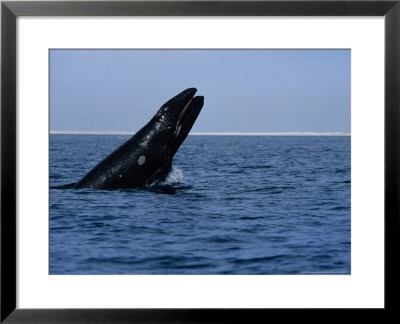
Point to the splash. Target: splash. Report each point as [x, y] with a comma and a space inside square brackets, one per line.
[175, 176]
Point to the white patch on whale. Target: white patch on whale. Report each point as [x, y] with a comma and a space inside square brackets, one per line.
[141, 160]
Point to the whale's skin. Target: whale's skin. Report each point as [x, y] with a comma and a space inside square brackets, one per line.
[147, 156]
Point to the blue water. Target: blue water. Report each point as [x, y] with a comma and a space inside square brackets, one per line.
[232, 205]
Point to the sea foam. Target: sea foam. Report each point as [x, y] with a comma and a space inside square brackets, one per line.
[175, 176]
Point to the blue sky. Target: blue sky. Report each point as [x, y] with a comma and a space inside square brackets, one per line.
[244, 90]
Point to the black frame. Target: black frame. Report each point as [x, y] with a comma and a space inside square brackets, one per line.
[10, 10]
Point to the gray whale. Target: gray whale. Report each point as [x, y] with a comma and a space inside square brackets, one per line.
[147, 156]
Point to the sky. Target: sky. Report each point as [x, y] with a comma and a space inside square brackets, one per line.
[244, 90]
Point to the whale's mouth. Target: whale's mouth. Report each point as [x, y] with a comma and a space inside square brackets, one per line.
[179, 121]
[188, 116]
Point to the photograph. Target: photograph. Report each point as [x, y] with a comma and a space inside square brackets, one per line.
[199, 161]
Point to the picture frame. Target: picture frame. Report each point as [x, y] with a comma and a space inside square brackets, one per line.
[10, 10]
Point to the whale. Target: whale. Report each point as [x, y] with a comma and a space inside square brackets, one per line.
[146, 158]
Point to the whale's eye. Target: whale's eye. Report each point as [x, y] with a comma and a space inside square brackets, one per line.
[141, 160]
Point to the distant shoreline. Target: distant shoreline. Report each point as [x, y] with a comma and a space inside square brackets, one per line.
[66, 132]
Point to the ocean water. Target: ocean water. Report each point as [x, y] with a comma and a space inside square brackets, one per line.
[231, 205]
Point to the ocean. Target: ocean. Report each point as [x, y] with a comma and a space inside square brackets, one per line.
[240, 205]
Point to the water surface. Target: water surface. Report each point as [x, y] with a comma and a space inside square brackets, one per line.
[232, 205]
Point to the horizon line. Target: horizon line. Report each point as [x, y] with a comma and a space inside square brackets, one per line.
[71, 132]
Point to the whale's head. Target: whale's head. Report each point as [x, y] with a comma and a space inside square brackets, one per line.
[176, 117]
